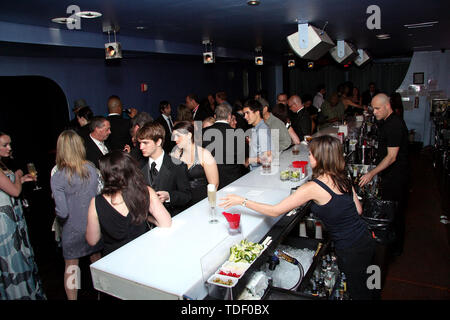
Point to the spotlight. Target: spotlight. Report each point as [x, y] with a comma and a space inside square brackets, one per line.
[208, 57]
[259, 60]
[208, 54]
[310, 65]
[113, 50]
[291, 63]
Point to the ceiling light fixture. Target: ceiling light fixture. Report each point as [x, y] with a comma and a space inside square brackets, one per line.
[208, 54]
[88, 14]
[421, 25]
[259, 60]
[253, 2]
[291, 63]
[113, 50]
[64, 20]
[384, 36]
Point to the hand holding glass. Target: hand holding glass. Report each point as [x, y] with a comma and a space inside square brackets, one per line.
[33, 172]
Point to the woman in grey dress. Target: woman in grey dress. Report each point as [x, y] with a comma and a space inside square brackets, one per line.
[74, 183]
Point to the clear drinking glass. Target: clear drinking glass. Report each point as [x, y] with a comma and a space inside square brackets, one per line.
[32, 170]
[212, 203]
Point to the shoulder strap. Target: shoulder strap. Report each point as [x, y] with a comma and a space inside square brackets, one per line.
[324, 186]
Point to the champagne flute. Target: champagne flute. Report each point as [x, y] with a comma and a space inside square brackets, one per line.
[32, 170]
[212, 203]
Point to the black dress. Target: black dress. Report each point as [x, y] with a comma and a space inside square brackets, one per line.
[117, 230]
[197, 180]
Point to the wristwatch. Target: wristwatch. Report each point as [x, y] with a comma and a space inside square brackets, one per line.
[244, 203]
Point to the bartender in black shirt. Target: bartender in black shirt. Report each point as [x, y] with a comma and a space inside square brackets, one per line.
[392, 159]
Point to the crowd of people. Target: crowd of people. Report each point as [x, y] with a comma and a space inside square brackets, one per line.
[117, 177]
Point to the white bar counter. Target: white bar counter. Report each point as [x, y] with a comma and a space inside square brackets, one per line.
[166, 263]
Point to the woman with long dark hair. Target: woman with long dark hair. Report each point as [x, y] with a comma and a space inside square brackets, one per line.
[202, 167]
[19, 279]
[74, 181]
[336, 204]
[120, 213]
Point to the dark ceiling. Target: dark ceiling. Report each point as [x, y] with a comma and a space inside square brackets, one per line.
[234, 24]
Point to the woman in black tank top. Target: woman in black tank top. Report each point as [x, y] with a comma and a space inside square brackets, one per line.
[336, 204]
[202, 167]
[121, 212]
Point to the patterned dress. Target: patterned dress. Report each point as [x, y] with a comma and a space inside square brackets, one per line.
[19, 279]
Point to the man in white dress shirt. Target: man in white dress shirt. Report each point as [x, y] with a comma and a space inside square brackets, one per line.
[319, 98]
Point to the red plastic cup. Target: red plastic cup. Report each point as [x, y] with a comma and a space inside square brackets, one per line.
[300, 164]
[233, 219]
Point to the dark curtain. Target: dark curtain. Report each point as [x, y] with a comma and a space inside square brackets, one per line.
[387, 76]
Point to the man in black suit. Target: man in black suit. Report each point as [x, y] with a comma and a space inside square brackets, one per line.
[94, 142]
[199, 113]
[167, 175]
[368, 95]
[301, 122]
[165, 119]
[120, 127]
[224, 144]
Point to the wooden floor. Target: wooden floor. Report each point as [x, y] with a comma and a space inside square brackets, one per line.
[422, 272]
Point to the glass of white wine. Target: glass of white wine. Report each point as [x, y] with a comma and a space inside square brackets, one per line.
[212, 203]
[32, 170]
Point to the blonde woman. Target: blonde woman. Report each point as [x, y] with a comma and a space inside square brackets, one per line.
[74, 183]
[202, 167]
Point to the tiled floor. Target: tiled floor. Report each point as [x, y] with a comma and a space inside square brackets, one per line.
[421, 272]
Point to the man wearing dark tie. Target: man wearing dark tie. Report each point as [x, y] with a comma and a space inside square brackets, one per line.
[167, 175]
[94, 142]
[166, 120]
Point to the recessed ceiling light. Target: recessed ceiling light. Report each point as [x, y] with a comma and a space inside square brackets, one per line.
[88, 14]
[141, 28]
[383, 36]
[253, 2]
[63, 20]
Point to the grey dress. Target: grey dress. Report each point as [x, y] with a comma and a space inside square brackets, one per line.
[72, 203]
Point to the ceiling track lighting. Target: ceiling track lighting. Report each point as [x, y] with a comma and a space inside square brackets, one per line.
[113, 50]
[259, 59]
[208, 54]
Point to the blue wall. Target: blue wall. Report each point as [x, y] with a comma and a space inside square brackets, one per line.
[436, 66]
[167, 79]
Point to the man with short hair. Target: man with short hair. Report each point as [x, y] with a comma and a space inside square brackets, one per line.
[319, 98]
[95, 143]
[198, 113]
[368, 95]
[221, 98]
[167, 175]
[224, 144]
[332, 110]
[282, 98]
[120, 127]
[301, 122]
[260, 140]
[274, 123]
[136, 123]
[165, 119]
[392, 159]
